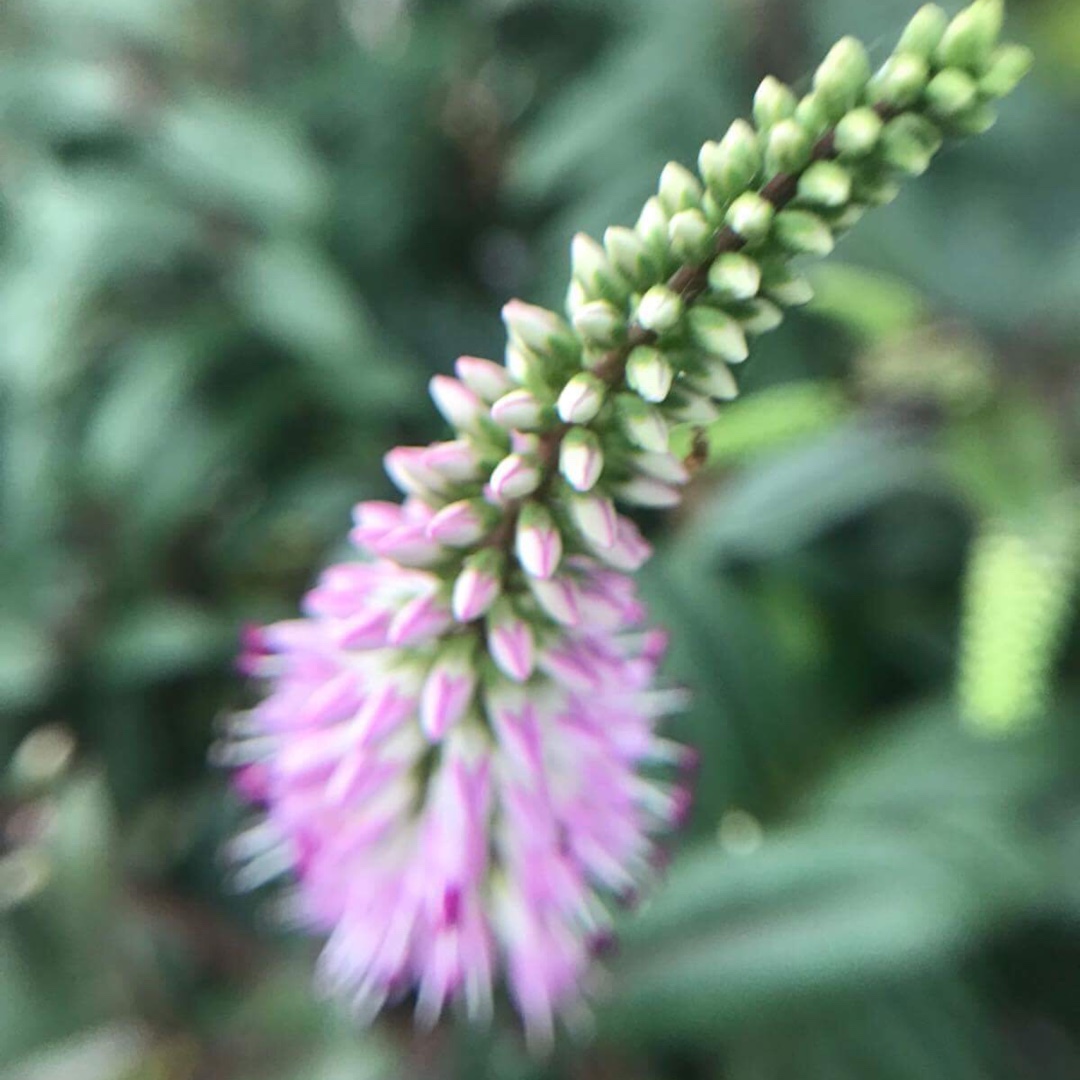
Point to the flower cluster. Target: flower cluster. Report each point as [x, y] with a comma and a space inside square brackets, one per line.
[458, 759]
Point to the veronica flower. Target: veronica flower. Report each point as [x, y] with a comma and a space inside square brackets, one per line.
[457, 759]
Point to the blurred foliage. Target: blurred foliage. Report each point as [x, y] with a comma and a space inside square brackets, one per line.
[235, 238]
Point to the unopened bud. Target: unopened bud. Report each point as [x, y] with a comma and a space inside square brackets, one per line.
[679, 188]
[643, 424]
[950, 92]
[536, 328]
[750, 215]
[461, 524]
[735, 276]
[909, 142]
[538, 542]
[731, 165]
[842, 76]
[652, 226]
[649, 373]
[660, 309]
[1008, 65]
[629, 254]
[600, 323]
[719, 334]
[580, 399]
[786, 287]
[900, 82]
[788, 148]
[595, 518]
[814, 114]
[825, 183]
[478, 585]
[971, 36]
[801, 232]
[457, 403]
[716, 381]
[773, 102]
[923, 33]
[857, 132]
[592, 268]
[514, 478]
[761, 316]
[581, 461]
[690, 233]
[488, 380]
[510, 642]
[518, 411]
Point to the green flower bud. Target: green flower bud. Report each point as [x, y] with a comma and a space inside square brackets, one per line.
[773, 102]
[782, 284]
[971, 36]
[679, 188]
[750, 215]
[630, 255]
[825, 183]
[787, 149]
[660, 309]
[649, 374]
[950, 92]
[875, 189]
[715, 381]
[731, 165]
[536, 328]
[801, 232]
[600, 323]
[652, 226]
[813, 114]
[900, 81]
[591, 267]
[857, 132]
[844, 218]
[761, 317]
[909, 142]
[1008, 65]
[974, 120]
[718, 334]
[735, 276]
[923, 34]
[643, 424]
[842, 76]
[690, 234]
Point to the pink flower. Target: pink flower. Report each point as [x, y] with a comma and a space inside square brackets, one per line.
[448, 827]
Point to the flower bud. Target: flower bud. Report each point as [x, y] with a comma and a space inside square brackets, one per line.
[1008, 65]
[801, 232]
[488, 380]
[813, 114]
[455, 461]
[659, 309]
[649, 373]
[718, 334]
[688, 407]
[652, 226]
[679, 188]
[716, 381]
[735, 276]
[478, 585]
[449, 688]
[924, 32]
[761, 316]
[773, 102]
[900, 82]
[732, 164]
[857, 132]
[458, 404]
[909, 142]
[510, 642]
[595, 518]
[950, 92]
[407, 469]
[690, 234]
[600, 323]
[536, 328]
[750, 215]
[629, 254]
[825, 183]
[421, 620]
[524, 366]
[538, 542]
[970, 37]
[461, 524]
[581, 461]
[592, 268]
[558, 597]
[974, 120]
[514, 478]
[581, 399]
[518, 411]
[786, 287]
[787, 149]
[842, 76]
[643, 424]
[666, 468]
[649, 493]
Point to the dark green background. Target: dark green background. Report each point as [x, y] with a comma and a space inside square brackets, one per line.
[236, 237]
